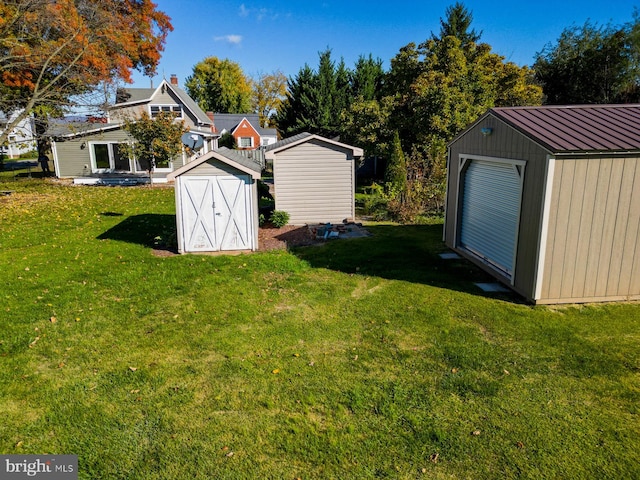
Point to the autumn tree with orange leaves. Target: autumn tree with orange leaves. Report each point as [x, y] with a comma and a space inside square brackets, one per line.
[52, 51]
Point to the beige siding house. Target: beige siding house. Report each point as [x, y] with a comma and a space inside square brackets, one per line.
[314, 178]
[89, 152]
[547, 199]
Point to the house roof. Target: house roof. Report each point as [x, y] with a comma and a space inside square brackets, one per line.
[145, 95]
[224, 155]
[303, 137]
[61, 129]
[229, 121]
[577, 128]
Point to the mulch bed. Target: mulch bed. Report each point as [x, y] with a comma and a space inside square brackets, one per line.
[272, 238]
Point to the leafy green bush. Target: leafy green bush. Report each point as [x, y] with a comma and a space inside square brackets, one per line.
[279, 218]
[263, 190]
[29, 154]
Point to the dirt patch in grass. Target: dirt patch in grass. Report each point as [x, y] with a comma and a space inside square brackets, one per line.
[272, 238]
[269, 238]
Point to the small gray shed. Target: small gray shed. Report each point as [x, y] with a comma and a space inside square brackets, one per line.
[217, 203]
[547, 199]
[314, 178]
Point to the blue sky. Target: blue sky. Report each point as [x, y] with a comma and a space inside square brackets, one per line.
[264, 36]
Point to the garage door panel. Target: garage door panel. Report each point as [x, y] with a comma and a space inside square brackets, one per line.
[490, 212]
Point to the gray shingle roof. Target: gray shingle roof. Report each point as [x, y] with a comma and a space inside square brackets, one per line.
[239, 158]
[287, 141]
[192, 105]
[134, 95]
[59, 129]
[577, 128]
[138, 95]
[229, 121]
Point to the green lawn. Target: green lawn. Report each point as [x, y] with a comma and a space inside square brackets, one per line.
[368, 358]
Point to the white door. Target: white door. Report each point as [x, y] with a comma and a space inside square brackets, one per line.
[216, 213]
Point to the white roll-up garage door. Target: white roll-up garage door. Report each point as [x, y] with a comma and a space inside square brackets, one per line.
[492, 193]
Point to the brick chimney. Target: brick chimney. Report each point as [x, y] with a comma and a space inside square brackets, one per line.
[173, 79]
[213, 126]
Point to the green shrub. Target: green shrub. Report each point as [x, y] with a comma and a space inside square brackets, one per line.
[29, 154]
[263, 191]
[261, 220]
[279, 218]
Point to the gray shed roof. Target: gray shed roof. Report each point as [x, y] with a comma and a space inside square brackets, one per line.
[273, 149]
[286, 141]
[224, 155]
[577, 128]
[239, 158]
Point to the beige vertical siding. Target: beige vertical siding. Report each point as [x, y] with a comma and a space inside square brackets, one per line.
[592, 252]
[504, 142]
[314, 182]
[214, 167]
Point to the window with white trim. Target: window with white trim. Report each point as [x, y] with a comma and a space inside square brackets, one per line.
[176, 110]
[245, 142]
[108, 156]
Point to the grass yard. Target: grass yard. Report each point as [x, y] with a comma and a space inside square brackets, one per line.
[368, 358]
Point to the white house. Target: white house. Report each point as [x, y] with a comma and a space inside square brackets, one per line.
[21, 138]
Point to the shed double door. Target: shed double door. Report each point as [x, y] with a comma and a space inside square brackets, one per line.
[216, 213]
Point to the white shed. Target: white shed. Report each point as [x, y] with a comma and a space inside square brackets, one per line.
[217, 203]
[314, 178]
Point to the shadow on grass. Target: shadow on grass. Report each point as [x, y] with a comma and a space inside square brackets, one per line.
[402, 252]
[157, 231]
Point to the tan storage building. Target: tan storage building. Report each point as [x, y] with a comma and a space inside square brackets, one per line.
[314, 178]
[547, 199]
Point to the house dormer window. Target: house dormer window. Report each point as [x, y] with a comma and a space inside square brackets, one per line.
[176, 110]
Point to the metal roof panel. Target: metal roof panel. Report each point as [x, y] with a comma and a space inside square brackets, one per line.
[577, 128]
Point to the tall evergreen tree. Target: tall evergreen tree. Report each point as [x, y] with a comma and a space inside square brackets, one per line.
[456, 23]
[297, 112]
[367, 79]
[315, 99]
[396, 174]
[326, 94]
[449, 80]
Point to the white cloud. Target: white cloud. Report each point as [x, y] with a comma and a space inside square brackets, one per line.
[232, 39]
[259, 14]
